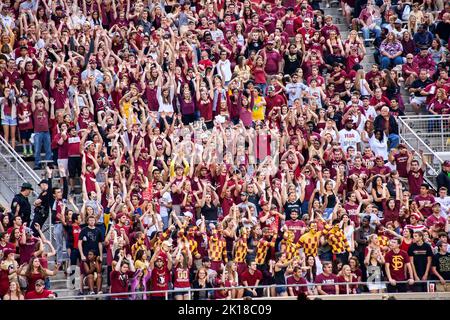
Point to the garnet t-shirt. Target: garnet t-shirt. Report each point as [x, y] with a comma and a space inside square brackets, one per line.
[397, 264]
[327, 282]
[415, 179]
[301, 281]
[250, 278]
[120, 281]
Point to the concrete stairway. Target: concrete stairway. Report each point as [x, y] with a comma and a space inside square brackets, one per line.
[368, 60]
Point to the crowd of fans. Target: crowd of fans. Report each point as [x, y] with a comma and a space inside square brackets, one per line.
[221, 144]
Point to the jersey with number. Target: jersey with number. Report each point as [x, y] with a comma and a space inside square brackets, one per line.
[181, 277]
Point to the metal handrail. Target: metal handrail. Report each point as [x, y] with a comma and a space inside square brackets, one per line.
[420, 140]
[191, 290]
[424, 146]
[27, 171]
[19, 160]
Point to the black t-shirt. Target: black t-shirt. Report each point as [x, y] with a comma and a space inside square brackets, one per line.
[442, 264]
[420, 254]
[443, 30]
[25, 207]
[91, 238]
[210, 213]
[291, 63]
[420, 84]
[290, 206]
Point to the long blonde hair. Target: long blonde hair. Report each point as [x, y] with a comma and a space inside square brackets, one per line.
[412, 28]
[359, 76]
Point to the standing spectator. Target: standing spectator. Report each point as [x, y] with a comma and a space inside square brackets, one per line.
[20, 205]
[387, 123]
[90, 239]
[443, 178]
[420, 254]
[440, 267]
[41, 136]
[398, 267]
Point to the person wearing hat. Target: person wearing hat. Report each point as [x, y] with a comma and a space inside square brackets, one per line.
[92, 72]
[39, 291]
[20, 205]
[160, 265]
[272, 58]
[273, 100]
[349, 136]
[398, 30]
[443, 178]
[245, 203]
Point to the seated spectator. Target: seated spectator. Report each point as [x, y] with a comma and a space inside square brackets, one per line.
[391, 50]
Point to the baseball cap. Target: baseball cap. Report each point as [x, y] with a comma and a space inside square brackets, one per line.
[244, 194]
[27, 186]
[39, 282]
[43, 181]
[271, 88]
[446, 163]
[167, 243]
[87, 144]
[188, 214]
[270, 42]
[402, 146]
[398, 21]
[263, 202]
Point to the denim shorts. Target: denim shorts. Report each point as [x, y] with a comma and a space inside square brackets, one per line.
[9, 121]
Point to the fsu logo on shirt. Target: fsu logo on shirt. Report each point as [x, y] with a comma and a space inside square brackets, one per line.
[397, 262]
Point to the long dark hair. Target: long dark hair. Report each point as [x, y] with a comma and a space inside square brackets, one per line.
[311, 275]
[30, 269]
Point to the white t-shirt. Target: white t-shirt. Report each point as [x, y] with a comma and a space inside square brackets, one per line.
[379, 148]
[225, 68]
[445, 205]
[163, 202]
[371, 113]
[349, 138]
[152, 228]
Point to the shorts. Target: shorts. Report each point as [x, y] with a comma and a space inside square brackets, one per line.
[280, 290]
[63, 164]
[74, 167]
[26, 134]
[9, 121]
[418, 100]
[180, 291]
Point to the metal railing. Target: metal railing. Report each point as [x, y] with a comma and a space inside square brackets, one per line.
[265, 288]
[415, 132]
[15, 171]
[434, 130]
